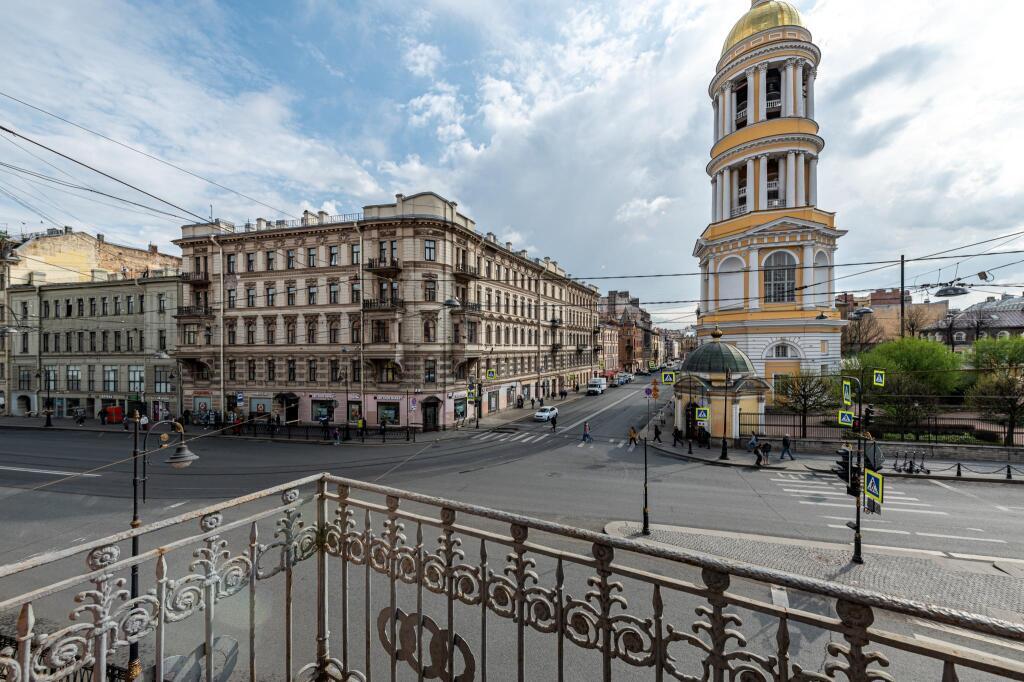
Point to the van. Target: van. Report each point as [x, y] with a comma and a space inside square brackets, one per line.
[596, 386]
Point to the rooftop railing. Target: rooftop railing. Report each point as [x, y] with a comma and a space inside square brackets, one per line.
[326, 578]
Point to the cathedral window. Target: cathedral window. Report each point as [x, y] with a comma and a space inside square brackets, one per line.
[780, 278]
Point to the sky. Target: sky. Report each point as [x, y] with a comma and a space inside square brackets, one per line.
[578, 131]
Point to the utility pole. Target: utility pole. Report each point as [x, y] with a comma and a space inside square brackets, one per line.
[647, 518]
[903, 261]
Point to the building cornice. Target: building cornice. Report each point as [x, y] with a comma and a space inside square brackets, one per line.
[756, 55]
[761, 143]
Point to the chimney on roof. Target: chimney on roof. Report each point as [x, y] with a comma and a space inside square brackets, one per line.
[990, 299]
[508, 245]
[323, 216]
[100, 238]
[153, 249]
[67, 229]
[399, 201]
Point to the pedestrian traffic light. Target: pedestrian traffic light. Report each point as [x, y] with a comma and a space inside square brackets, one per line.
[869, 414]
[847, 472]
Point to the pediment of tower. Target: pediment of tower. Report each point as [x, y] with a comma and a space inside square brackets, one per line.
[772, 230]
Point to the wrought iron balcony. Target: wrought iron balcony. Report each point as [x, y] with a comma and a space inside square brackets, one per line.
[405, 585]
[385, 267]
[467, 309]
[463, 271]
[383, 304]
[582, 347]
[195, 277]
[194, 311]
[557, 345]
[556, 322]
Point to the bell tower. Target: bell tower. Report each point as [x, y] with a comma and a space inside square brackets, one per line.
[766, 256]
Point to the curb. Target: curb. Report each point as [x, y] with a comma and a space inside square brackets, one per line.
[716, 462]
[935, 477]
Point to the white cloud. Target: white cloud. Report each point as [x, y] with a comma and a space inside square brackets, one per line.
[422, 59]
[640, 209]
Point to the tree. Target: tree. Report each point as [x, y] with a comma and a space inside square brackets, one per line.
[916, 318]
[861, 334]
[992, 354]
[806, 394]
[1000, 395]
[918, 373]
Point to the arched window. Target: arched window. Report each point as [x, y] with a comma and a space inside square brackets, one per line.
[289, 333]
[780, 278]
[730, 283]
[332, 333]
[488, 335]
[822, 276]
[357, 331]
[784, 350]
[250, 332]
[428, 331]
[311, 332]
[1003, 335]
[507, 336]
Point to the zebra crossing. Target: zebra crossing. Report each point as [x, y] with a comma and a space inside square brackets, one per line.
[530, 437]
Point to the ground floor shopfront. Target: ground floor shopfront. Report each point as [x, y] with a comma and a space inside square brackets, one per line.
[90, 405]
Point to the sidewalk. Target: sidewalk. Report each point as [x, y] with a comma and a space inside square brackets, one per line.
[951, 581]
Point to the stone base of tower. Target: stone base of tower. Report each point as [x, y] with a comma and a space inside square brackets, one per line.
[788, 348]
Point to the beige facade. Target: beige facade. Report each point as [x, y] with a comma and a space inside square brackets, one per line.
[90, 345]
[607, 348]
[404, 312]
[62, 255]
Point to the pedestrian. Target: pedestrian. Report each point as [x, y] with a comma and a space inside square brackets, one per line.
[186, 416]
[633, 436]
[336, 435]
[103, 416]
[786, 449]
[586, 433]
[657, 433]
[554, 422]
[383, 424]
[144, 423]
[125, 421]
[541, 401]
[752, 443]
[677, 436]
[533, 403]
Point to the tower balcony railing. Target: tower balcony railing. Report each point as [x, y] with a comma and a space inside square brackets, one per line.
[741, 114]
[773, 185]
[333, 578]
[737, 211]
[776, 203]
[773, 104]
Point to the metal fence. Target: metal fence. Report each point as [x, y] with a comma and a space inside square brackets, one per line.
[384, 583]
[315, 432]
[933, 429]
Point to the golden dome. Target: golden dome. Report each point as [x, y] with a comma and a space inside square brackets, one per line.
[761, 17]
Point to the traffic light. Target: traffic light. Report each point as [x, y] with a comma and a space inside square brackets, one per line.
[847, 472]
[869, 414]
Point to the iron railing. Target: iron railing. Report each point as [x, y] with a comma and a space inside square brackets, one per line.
[194, 311]
[373, 304]
[359, 580]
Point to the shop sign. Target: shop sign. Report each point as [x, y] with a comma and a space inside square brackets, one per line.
[320, 396]
[387, 398]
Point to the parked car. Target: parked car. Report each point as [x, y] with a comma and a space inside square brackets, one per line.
[545, 413]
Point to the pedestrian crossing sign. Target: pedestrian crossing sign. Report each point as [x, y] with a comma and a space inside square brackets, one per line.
[703, 414]
[846, 418]
[492, 374]
[847, 392]
[879, 378]
[874, 485]
[668, 377]
[470, 394]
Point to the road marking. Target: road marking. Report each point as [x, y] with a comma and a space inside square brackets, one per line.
[621, 443]
[51, 472]
[802, 482]
[916, 511]
[812, 492]
[977, 530]
[540, 438]
[582, 443]
[960, 537]
[843, 518]
[908, 504]
[1006, 509]
[489, 436]
[479, 436]
[606, 407]
[825, 504]
[521, 435]
[175, 505]
[873, 530]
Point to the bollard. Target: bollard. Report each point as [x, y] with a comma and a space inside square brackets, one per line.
[1009, 476]
[958, 474]
[689, 447]
[406, 434]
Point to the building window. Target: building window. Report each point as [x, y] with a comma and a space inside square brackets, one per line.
[161, 303]
[780, 278]
[429, 250]
[117, 341]
[430, 290]
[311, 294]
[46, 309]
[311, 333]
[355, 254]
[74, 378]
[332, 292]
[161, 339]
[250, 298]
[104, 308]
[46, 342]
[191, 336]
[334, 367]
[388, 374]
[379, 330]
[109, 378]
[25, 379]
[429, 371]
[92, 307]
[270, 260]
[311, 372]
[232, 335]
[290, 296]
[80, 341]
[162, 380]
[271, 333]
[81, 308]
[250, 262]
[290, 259]
[332, 255]
[129, 302]
[356, 291]
[332, 333]
[311, 257]
[291, 370]
[356, 372]
[250, 333]
[960, 337]
[231, 370]
[251, 370]
[270, 296]
[289, 333]
[429, 331]
[271, 370]
[142, 303]
[130, 340]
[357, 331]
[232, 297]
[781, 351]
[136, 378]
[231, 262]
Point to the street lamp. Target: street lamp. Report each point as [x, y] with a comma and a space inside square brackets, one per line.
[48, 412]
[164, 355]
[181, 458]
[344, 352]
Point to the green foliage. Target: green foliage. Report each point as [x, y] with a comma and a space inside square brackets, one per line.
[992, 353]
[914, 367]
[806, 394]
[999, 395]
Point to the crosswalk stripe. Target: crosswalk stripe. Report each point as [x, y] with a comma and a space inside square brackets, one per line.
[488, 436]
[521, 435]
[581, 444]
[504, 438]
[873, 530]
[621, 443]
[540, 437]
[479, 436]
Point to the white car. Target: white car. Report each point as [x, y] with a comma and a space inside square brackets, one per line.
[545, 414]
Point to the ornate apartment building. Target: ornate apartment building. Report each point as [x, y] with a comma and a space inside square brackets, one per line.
[403, 312]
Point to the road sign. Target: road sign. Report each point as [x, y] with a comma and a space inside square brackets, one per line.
[648, 391]
[874, 486]
[492, 374]
[668, 377]
[470, 394]
[847, 392]
[655, 392]
[650, 364]
[879, 378]
[240, 399]
[703, 414]
[845, 418]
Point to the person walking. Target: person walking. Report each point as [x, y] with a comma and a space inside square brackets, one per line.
[586, 433]
[786, 449]
[657, 433]
[533, 403]
[677, 436]
[554, 423]
[336, 435]
[633, 436]
[752, 443]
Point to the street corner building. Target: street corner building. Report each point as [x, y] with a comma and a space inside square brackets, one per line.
[403, 313]
[767, 255]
